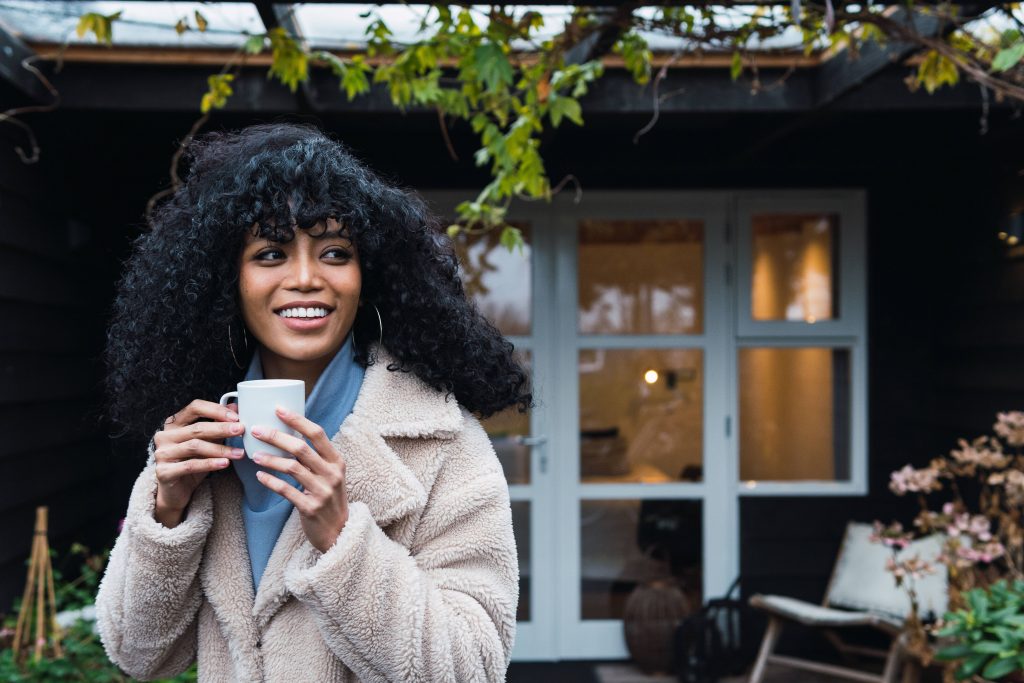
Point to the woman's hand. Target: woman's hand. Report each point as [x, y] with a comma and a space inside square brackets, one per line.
[323, 504]
[187, 449]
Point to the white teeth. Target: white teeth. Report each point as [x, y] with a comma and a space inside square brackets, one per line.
[303, 312]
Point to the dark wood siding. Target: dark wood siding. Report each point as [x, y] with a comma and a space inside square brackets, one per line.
[945, 338]
[54, 451]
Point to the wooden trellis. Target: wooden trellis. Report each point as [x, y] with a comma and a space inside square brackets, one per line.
[39, 598]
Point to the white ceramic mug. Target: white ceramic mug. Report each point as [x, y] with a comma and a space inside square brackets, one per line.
[257, 401]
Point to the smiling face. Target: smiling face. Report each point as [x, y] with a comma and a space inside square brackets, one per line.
[299, 298]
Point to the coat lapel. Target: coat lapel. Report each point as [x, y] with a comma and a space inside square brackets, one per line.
[391, 404]
[226, 576]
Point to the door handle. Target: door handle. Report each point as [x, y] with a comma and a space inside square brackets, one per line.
[534, 442]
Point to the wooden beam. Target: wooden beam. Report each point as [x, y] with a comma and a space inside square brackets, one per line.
[12, 53]
[841, 74]
[162, 55]
[148, 88]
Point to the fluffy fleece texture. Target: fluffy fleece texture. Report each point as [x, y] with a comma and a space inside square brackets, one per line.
[421, 585]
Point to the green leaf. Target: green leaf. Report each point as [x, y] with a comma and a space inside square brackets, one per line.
[100, 25]
[219, 92]
[254, 44]
[512, 238]
[564, 106]
[998, 668]
[971, 666]
[493, 66]
[289, 63]
[935, 71]
[952, 652]
[1008, 58]
[736, 69]
[453, 230]
[987, 647]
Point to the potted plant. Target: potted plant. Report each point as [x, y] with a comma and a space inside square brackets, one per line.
[974, 497]
[986, 638]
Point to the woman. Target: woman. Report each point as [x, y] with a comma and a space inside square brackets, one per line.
[383, 550]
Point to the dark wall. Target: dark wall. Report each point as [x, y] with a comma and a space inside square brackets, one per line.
[54, 450]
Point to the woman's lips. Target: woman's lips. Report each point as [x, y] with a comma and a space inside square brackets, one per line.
[303, 324]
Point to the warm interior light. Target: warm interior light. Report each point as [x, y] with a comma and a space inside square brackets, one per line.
[1002, 235]
[651, 376]
[811, 319]
[1012, 239]
[752, 484]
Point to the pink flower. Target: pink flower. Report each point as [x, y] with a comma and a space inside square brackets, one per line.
[1010, 426]
[986, 553]
[910, 480]
[983, 451]
[913, 567]
[891, 536]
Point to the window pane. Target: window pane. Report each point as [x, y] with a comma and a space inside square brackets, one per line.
[641, 277]
[505, 428]
[140, 23]
[641, 415]
[497, 279]
[794, 414]
[627, 542]
[794, 267]
[521, 529]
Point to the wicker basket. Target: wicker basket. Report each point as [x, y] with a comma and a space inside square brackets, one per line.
[651, 616]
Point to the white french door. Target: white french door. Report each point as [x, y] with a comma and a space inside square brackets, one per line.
[624, 306]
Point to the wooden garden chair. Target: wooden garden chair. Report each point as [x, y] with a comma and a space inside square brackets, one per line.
[860, 593]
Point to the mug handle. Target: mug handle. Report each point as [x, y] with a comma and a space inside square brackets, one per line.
[225, 397]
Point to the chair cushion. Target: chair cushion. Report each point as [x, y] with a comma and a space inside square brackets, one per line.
[809, 614]
[861, 582]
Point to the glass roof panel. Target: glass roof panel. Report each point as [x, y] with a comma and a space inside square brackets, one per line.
[140, 23]
[323, 25]
[343, 26]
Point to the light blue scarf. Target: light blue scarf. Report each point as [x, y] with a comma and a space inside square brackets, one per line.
[263, 511]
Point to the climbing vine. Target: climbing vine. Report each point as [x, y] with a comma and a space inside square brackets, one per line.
[507, 75]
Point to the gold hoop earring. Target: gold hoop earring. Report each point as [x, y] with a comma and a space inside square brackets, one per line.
[380, 324]
[231, 346]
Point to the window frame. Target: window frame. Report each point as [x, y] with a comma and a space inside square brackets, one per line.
[848, 331]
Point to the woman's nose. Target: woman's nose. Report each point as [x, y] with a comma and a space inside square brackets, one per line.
[306, 273]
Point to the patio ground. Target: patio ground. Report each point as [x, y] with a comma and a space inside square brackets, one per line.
[624, 672]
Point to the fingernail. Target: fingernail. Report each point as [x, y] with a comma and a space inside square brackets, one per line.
[237, 452]
[257, 431]
[231, 415]
[237, 429]
[221, 462]
[257, 457]
[284, 412]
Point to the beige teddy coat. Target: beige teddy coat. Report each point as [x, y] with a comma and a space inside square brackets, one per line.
[421, 584]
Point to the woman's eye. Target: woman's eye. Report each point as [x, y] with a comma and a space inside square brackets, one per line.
[338, 253]
[269, 255]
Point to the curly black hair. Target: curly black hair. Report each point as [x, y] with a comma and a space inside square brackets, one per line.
[177, 302]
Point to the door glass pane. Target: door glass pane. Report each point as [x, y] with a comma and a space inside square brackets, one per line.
[521, 529]
[641, 277]
[794, 414]
[794, 267]
[625, 543]
[498, 280]
[641, 415]
[505, 429]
